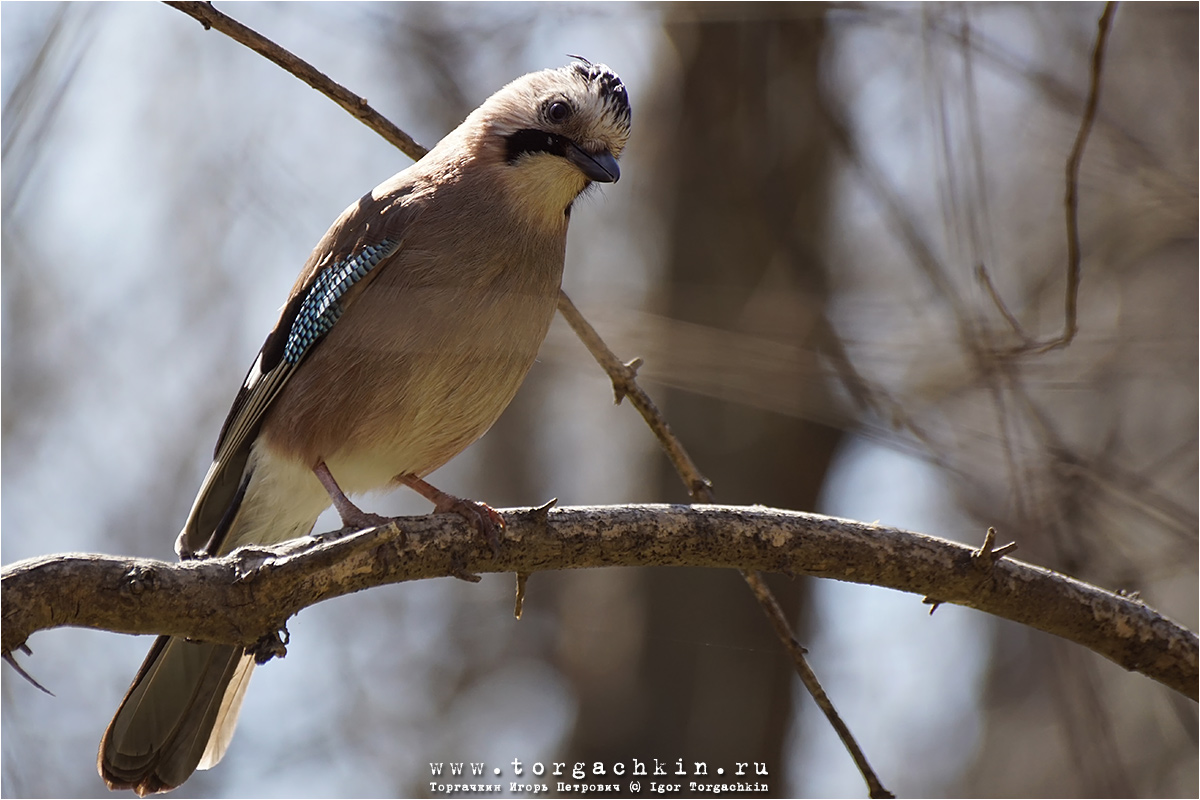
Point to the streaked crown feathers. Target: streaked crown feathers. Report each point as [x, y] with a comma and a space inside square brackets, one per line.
[595, 94]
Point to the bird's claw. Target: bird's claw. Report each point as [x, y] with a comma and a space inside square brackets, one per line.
[362, 519]
[486, 519]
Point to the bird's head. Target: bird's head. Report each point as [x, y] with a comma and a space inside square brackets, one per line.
[555, 132]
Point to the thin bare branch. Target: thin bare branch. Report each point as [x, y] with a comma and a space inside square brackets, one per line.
[624, 380]
[811, 683]
[1071, 205]
[624, 384]
[1071, 326]
[210, 18]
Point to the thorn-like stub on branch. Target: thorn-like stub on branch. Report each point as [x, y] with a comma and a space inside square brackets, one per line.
[541, 513]
[522, 579]
[932, 602]
[459, 570]
[138, 579]
[1001, 552]
[539, 516]
[393, 528]
[986, 556]
[12, 662]
[273, 645]
[626, 380]
[620, 390]
[989, 540]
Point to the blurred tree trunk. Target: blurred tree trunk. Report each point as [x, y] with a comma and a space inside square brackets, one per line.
[747, 214]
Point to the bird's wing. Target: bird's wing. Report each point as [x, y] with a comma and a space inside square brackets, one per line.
[358, 246]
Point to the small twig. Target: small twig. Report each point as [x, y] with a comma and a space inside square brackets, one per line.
[1071, 203]
[984, 559]
[809, 678]
[210, 18]
[625, 384]
[623, 377]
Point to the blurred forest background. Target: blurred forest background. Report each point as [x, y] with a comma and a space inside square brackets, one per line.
[808, 197]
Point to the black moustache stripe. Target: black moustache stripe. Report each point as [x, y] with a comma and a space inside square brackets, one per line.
[531, 140]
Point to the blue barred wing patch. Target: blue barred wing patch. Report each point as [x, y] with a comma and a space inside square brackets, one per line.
[322, 305]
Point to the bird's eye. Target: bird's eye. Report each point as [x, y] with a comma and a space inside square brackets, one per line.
[558, 112]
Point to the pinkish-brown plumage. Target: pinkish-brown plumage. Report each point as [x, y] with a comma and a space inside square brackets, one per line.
[406, 335]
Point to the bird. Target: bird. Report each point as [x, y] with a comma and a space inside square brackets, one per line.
[407, 333]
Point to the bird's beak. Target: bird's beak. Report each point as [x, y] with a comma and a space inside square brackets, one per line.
[600, 167]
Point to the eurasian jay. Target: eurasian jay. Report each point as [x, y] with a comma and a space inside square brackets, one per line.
[406, 335]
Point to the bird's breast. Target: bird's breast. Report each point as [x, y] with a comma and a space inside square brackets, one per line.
[420, 365]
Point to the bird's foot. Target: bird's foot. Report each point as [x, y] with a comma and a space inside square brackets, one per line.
[485, 518]
[352, 516]
[356, 518]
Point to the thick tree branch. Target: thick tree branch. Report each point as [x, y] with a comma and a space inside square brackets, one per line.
[249, 594]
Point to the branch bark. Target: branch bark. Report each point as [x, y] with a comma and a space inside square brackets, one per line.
[250, 594]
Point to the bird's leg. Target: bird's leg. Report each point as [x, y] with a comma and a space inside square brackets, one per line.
[352, 516]
[485, 518]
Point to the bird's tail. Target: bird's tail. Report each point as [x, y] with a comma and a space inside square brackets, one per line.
[180, 712]
[178, 715]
